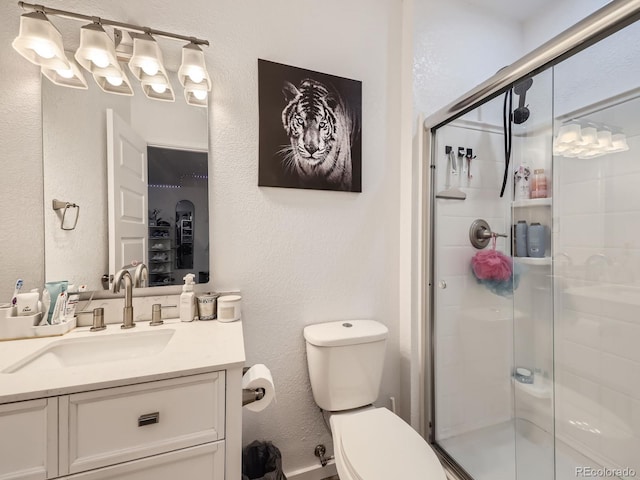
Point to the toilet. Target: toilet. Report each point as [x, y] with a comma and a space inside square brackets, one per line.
[345, 361]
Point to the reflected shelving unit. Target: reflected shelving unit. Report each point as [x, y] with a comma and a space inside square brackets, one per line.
[160, 255]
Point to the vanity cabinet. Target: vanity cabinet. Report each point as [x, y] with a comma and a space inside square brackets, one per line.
[29, 451]
[158, 430]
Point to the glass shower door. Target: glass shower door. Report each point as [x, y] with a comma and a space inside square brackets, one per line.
[493, 423]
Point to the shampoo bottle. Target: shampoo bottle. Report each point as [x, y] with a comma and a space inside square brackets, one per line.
[188, 299]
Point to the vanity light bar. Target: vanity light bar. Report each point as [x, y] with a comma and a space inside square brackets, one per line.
[112, 23]
[97, 54]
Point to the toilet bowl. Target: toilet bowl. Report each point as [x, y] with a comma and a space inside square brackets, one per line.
[345, 361]
[376, 444]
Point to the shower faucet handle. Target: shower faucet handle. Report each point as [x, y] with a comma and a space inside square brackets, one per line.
[480, 233]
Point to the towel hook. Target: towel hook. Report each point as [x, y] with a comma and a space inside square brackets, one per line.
[65, 206]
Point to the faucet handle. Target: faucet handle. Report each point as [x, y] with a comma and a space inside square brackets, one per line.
[98, 320]
[156, 315]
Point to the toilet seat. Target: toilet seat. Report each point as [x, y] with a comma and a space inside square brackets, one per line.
[376, 444]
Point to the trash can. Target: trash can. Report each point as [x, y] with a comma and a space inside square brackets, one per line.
[262, 461]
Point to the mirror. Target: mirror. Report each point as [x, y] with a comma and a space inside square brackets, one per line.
[87, 155]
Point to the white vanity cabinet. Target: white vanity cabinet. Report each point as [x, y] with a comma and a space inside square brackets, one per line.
[165, 413]
[158, 430]
[28, 439]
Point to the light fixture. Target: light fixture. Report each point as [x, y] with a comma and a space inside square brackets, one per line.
[113, 80]
[157, 87]
[96, 51]
[66, 77]
[40, 42]
[193, 75]
[196, 93]
[147, 66]
[146, 58]
[97, 54]
[575, 141]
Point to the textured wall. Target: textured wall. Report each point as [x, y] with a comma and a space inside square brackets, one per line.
[299, 257]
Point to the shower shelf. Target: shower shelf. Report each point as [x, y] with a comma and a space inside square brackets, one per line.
[539, 262]
[532, 202]
[540, 389]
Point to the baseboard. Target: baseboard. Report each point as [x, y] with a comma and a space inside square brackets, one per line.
[315, 472]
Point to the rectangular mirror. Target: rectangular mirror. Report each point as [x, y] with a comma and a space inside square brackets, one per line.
[137, 169]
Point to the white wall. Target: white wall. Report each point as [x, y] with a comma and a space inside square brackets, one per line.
[298, 256]
[455, 46]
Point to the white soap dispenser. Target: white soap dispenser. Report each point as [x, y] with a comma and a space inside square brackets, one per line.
[188, 299]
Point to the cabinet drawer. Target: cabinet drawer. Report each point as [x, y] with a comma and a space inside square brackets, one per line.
[126, 423]
[29, 451]
[204, 462]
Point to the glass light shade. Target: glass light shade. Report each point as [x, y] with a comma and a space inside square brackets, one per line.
[618, 143]
[193, 68]
[146, 58]
[152, 86]
[604, 140]
[589, 137]
[40, 42]
[69, 77]
[109, 81]
[196, 93]
[97, 51]
[569, 134]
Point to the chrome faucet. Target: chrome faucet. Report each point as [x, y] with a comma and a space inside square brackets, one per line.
[127, 312]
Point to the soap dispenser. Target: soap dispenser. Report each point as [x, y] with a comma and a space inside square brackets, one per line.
[188, 299]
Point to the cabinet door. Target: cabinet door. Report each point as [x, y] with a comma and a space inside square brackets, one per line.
[205, 462]
[30, 451]
[127, 423]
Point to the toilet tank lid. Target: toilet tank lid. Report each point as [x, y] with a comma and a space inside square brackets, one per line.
[345, 332]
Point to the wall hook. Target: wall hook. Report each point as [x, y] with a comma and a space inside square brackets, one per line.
[65, 206]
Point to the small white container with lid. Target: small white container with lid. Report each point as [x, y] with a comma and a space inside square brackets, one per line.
[229, 308]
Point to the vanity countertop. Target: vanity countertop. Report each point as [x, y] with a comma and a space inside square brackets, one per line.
[195, 347]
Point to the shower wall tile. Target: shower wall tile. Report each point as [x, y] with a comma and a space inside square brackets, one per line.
[621, 374]
[621, 338]
[581, 328]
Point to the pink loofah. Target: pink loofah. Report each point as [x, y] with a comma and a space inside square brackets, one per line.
[491, 265]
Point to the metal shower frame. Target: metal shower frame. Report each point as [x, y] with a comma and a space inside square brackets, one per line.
[597, 26]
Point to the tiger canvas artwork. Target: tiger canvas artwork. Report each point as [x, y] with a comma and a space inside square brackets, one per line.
[309, 129]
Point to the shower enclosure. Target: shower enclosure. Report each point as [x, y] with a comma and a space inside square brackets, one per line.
[536, 374]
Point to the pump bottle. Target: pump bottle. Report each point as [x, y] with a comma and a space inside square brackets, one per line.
[188, 299]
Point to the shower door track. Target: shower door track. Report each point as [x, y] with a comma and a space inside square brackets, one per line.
[597, 26]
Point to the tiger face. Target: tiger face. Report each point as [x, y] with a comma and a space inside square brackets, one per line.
[310, 122]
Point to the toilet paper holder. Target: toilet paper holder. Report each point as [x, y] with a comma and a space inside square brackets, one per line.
[250, 395]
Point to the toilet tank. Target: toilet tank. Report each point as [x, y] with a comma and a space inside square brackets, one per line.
[345, 361]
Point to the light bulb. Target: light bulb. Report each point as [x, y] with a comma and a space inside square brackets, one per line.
[150, 67]
[100, 59]
[200, 94]
[65, 73]
[196, 75]
[44, 50]
[159, 87]
[115, 81]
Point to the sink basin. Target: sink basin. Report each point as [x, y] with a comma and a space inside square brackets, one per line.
[94, 349]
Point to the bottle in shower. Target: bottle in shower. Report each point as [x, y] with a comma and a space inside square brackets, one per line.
[521, 238]
[536, 240]
[522, 177]
[539, 184]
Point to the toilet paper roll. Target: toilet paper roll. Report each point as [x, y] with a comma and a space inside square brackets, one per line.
[259, 376]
